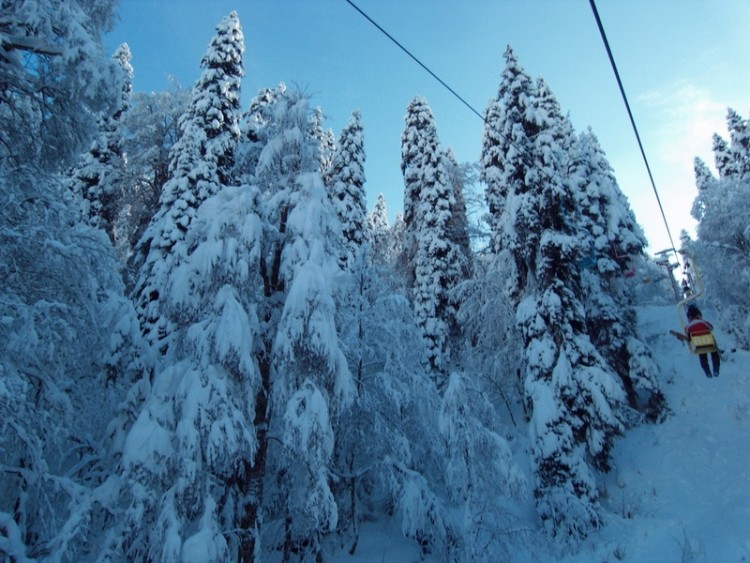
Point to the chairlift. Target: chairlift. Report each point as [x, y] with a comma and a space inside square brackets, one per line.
[665, 261]
[699, 343]
[625, 261]
[692, 285]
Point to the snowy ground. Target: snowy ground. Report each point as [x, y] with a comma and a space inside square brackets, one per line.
[683, 487]
[680, 490]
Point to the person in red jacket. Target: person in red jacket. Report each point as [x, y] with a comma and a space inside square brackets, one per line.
[697, 326]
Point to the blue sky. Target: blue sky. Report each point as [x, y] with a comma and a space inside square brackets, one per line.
[682, 62]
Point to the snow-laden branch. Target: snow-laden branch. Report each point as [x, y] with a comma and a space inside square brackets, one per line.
[33, 45]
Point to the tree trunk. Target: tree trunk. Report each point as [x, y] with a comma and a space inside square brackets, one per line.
[251, 482]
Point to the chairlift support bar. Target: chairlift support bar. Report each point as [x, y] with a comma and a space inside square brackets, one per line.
[698, 289]
[670, 266]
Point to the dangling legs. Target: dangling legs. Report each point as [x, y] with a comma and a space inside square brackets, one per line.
[716, 361]
[704, 364]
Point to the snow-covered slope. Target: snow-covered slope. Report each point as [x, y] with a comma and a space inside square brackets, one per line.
[681, 489]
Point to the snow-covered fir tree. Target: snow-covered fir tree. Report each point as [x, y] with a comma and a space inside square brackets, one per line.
[252, 356]
[430, 204]
[289, 410]
[183, 439]
[504, 146]
[98, 179]
[739, 139]
[458, 230]
[611, 244]
[327, 144]
[390, 455]
[731, 157]
[150, 129]
[704, 182]
[304, 378]
[257, 129]
[311, 385]
[378, 231]
[418, 117]
[572, 395]
[347, 187]
[724, 159]
[65, 321]
[200, 165]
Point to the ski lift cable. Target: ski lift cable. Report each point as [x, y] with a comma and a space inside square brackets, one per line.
[435, 76]
[420, 63]
[425, 67]
[632, 121]
[475, 112]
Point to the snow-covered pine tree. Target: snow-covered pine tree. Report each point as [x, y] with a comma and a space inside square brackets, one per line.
[201, 163]
[705, 181]
[184, 440]
[98, 179]
[723, 157]
[504, 146]
[378, 232]
[723, 242]
[610, 235]
[273, 151]
[62, 303]
[418, 118]
[271, 112]
[305, 381]
[458, 230]
[311, 382]
[45, 43]
[732, 158]
[395, 403]
[253, 356]
[151, 128]
[327, 144]
[739, 138]
[389, 455]
[571, 392]
[437, 262]
[346, 187]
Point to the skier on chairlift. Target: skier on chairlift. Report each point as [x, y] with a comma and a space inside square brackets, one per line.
[696, 328]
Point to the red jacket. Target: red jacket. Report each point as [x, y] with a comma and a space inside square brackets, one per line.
[698, 326]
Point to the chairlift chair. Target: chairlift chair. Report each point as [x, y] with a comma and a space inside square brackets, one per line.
[702, 342]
